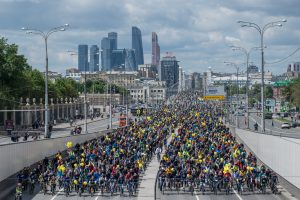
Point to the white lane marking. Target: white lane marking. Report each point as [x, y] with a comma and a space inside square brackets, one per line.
[196, 196]
[57, 194]
[240, 198]
[98, 195]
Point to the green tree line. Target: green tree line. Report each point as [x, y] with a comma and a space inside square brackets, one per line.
[292, 92]
[18, 79]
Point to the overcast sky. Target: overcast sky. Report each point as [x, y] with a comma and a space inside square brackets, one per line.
[198, 32]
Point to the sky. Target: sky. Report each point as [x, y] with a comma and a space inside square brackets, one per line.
[198, 32]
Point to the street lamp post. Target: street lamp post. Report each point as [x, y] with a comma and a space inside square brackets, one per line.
[247, 53]
[73, 53]
[261, 32]
[45, 36]
[237, 84]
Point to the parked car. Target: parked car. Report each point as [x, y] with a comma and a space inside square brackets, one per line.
[285, 125]
[268, 115]
[294, 125]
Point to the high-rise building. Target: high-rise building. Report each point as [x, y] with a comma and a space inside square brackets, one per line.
[94, 59]
[169, 71]
[124, 59]
[137, 45]
[252, 69]
[106, 54]
[83, 64]
[155, 50]
[113, 37]
[108, 44]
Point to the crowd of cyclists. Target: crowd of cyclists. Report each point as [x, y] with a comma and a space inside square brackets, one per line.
[109, 164]
[202, 154]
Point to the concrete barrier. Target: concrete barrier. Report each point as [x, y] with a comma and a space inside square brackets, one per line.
[14, 157]
[279, 153]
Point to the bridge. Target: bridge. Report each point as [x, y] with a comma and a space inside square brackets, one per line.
[275, 149]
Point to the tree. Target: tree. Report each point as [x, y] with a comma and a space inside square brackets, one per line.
[269, 92]
[12, 74]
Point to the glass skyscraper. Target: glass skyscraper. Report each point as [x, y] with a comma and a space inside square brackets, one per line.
[113, 37]
[169, 71]
[124, 59]
[94, 58]
[155, 50]
[83, 64]
[137, 45]
[106, 54]
[108, 44]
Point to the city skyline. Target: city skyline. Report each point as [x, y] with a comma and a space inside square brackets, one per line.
[198, 32]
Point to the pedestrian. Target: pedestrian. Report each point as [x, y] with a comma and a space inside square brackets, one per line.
[158, 152]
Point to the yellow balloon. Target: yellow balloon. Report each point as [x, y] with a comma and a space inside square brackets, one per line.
[75, 165]
[69, 144]
[84, 183]
[81, 164]
[75, 182]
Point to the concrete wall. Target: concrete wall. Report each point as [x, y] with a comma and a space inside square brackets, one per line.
[280, 153]
[14, 157]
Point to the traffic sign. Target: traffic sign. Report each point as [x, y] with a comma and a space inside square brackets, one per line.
[9, 125]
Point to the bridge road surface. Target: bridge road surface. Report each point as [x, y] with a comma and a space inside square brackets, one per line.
[167, 196]
[149, 187]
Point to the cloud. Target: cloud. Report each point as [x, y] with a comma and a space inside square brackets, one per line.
[198, 32]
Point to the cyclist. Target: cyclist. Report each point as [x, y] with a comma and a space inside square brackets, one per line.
[19, 190]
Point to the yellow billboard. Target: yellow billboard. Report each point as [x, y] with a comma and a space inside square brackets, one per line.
[214, 97]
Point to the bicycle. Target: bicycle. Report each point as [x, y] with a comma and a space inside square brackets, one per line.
[53, 188]
[202, 187]
[18, 196]
[31, 186]
[44, 186]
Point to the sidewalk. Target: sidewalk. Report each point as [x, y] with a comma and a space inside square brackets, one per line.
[147, 186]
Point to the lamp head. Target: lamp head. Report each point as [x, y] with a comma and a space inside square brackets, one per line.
[66, 25]
[24, 28]
[279, 25]
[284, 20]
[62, 29]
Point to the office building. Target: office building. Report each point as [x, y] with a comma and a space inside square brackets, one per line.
[155, 50]
[123, 60]
[83, 57]
[94, 59]
[252, 69]
[137, 45]
[106, 54]
[147, 71]
[113, 37]
[169, 71]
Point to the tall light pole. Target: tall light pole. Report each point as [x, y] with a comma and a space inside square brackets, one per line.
[110, 104]
[73, 53]
[45, 36]
[237, 84]
[247, 53]
[261, 31]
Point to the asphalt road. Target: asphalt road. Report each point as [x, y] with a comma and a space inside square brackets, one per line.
[169, 195]
[274, 130]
